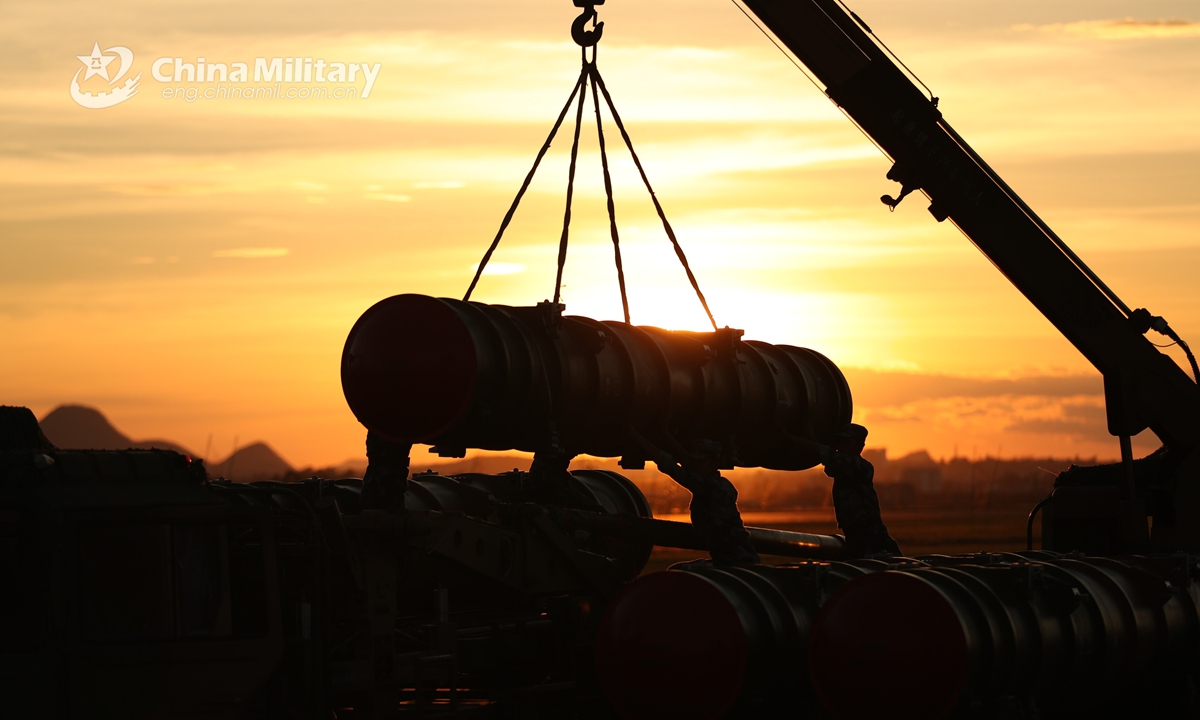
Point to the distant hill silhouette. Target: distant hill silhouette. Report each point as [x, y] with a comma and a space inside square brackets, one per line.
[257, 461]
[79, 427]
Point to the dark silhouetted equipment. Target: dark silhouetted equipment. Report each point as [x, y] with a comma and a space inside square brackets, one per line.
[133, 586]
[701, 641]
[971, 636]
[1077, 636]
[127, 588]
[466, 375]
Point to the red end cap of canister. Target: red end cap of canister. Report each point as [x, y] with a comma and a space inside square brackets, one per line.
[670, 645]
[408, 368]
[888, 644]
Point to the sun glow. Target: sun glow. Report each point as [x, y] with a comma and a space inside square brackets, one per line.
[193, 268]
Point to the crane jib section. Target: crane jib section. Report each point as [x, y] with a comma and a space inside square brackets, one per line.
[1144, 388]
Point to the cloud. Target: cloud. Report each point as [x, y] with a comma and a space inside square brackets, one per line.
[1126, 29]
[1058, 415]
[252, 253]
[171, 189]
[388, 197]
[1078, 421]
[876, 388]
[501, 268]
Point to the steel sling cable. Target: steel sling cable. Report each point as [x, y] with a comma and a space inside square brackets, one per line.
[599, 82]
[581, 82]
[562, 241]
[612, 210]
[589, 72]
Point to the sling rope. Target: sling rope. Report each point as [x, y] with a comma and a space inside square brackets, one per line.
[657, 205]
[612, 210]
[562, 241]
[589, 74]
[524, 186]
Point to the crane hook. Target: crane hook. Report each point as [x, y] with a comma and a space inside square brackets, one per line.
[582, 37]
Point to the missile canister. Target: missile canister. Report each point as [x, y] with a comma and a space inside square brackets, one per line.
[460, 375]
[1081, 636]
[706, 642]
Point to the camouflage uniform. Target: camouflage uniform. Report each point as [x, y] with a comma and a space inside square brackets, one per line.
[856, 504]
[714, 513]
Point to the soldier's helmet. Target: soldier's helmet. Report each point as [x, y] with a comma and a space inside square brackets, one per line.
[700, 449]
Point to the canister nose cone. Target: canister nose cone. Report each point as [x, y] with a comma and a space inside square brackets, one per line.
[409, 368]
[671, 645]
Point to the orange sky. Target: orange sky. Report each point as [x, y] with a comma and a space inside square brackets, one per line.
[192, 268]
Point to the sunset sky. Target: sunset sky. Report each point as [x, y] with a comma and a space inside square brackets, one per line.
[192, 268]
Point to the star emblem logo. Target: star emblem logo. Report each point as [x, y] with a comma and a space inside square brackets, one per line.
[96, 63]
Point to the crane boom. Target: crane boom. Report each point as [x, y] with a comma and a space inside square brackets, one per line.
[1143, 387]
